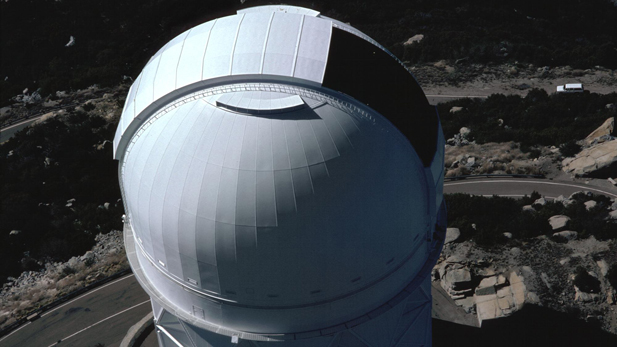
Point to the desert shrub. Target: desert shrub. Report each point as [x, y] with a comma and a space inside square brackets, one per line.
[492, 216]
[34, 195]
[67, 270]
[585, 282]
[89, 107]
[569, 149]
[528, 200]
[611, 276]
[536, 119]
[116, 38]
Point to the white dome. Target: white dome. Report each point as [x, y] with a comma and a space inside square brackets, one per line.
[260, 200]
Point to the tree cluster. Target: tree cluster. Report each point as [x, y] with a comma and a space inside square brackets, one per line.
[486, 219]
[42, 169]
[116, 38]
[536, 119]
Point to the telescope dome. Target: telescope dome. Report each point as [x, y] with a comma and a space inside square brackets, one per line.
[263, 193]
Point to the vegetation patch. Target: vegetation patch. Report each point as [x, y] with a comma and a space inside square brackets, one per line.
[536, 119]
[59, 189]
[115, 38]
[485, 219]
[586, 282]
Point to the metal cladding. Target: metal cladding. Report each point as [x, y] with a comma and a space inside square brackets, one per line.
[263, 198]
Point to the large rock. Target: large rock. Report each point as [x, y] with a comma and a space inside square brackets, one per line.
[590, 204]
[581, 296]
[559, 221]
[452, 234]
[464, 131]
[414, 39]
[458, 279]
[598, 161]
[606, 128]
[541, 202]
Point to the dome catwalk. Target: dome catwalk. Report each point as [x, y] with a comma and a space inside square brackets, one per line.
[282, 175]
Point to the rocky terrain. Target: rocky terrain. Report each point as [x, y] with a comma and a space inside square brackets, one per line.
[33, 289]
[104, 102]
[597, 159]
[498, 281]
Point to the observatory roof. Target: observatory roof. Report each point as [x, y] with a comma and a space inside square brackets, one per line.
[262, 43]
[235, 198]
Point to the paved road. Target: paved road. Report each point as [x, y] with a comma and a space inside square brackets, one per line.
[518, 187]
[105, 314]
[8, 132]
[102, 315]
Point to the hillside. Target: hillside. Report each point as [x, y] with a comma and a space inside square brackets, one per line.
[112, 40]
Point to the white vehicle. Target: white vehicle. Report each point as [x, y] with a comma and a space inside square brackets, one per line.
[570, 88]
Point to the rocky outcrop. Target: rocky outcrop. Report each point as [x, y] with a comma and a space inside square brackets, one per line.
[498, 298]
[606, 129]
[599, 161]
[494, 283]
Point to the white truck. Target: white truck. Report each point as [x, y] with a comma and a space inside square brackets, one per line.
[570, 88]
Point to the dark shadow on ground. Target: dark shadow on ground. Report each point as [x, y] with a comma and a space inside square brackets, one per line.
[532, 326]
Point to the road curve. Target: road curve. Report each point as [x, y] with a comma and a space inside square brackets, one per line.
[102, 315]
[518, 187]
[8, 132]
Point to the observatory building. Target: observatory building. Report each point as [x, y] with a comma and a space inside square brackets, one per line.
[282, 175]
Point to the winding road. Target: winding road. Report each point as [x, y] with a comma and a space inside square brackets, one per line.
[104, 315]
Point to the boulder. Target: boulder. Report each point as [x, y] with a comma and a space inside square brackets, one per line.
[414, 39]
[488, 282]
[532, 298]
[458, 279]
[564, 201]
[599, 160]
[529, 208]
[507, 235]
[467, 303]
[559, 221]
[471, 162]
[566, 234]
[613, 215]
[452, 234]
[464, 131]
[584, 297]
[606, 128]
[590, 204]
[15, 232]
[541, 202]
[544, 278]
